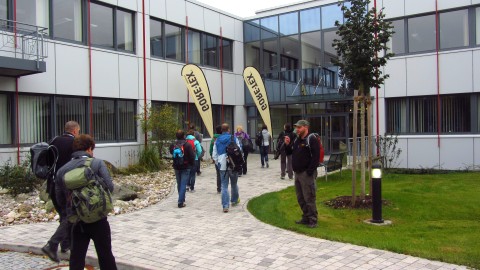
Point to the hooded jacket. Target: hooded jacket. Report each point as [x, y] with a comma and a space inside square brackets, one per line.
[198, 146]
[220, 150]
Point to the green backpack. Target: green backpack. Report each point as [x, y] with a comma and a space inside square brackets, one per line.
[91, 199]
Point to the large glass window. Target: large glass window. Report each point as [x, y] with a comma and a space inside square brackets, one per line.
[126, 120]
[397, 42]
[311, 50]
[67, 19]
[252, 54]
[251, 31]
[289, 57]
[70, 109]
[289, 23]
[194, 50]
[396, 115]
[124, 30]
[103, 126]
[156, 43]
[310, 20]
[32, 12]
[455, 113]
[421, 34]
[174, 44]
[34, 118]
[227, 57]
[423, 115]
[270, 62]
[454, 29]
[330, 51]
[330, 14]
[3, 9]
[101, 25]
[5, 119]
[269, 27]
[210, 50]
[477, 25]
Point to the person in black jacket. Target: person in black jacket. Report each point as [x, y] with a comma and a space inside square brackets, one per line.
[182, 173]
[61, 236]
[285, 159]
[98, 231]
[305, 162]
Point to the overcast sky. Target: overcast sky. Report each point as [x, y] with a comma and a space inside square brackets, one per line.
[245, 8]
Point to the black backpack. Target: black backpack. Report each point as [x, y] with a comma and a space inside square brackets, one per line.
[259, 139]
[234, 156]
[44, 158]
[177, 155]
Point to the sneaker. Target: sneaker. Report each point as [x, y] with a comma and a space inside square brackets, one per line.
[65, 250]
[282, 177]
[225, 210]
[192, 190]
[267, 165]
[236, 203]
[198, 173]
[181, 205]
[188, 188]
[301, 221]
[50, 252]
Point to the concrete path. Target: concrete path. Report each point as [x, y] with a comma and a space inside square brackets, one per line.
[201, 236]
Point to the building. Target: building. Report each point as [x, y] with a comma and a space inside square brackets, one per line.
[431, 100]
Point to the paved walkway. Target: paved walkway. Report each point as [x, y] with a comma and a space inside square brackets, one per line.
[201, 236]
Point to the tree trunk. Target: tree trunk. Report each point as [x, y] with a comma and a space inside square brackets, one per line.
[354, 146]
[362, 146]
[370, 140]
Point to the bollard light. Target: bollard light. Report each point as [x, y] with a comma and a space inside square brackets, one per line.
[376, 193]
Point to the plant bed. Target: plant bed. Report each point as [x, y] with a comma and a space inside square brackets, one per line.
[343, 202]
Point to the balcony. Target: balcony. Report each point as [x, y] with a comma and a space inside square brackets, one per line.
[22, 49]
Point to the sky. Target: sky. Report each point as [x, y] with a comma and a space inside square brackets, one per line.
[245, 8]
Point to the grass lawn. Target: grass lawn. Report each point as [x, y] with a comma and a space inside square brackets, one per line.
[434, 216]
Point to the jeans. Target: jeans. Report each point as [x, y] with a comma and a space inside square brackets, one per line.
[264, 154]
[101, 235]
[192, 177]
[233, 177]
[182, 180]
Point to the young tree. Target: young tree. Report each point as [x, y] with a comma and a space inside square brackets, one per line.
[362, 54]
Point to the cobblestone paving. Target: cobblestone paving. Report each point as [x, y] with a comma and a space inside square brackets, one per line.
[201, 236]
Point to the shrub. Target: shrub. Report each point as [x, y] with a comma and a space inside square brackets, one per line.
[18, 179]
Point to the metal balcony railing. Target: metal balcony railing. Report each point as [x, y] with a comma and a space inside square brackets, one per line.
[23, 41]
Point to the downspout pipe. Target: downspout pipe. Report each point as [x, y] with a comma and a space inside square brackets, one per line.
[437, 45]
[144, 72]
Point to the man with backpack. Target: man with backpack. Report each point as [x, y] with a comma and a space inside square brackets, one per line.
[305, 159]
[82, 232]
[218, 132]
[183, 155]
[285, 159]
[228, 171]
[63, 145]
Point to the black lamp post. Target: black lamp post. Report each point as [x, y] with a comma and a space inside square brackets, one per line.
[376, 193]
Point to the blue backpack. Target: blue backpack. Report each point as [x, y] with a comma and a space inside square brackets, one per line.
[178, 155]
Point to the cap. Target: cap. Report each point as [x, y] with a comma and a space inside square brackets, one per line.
[302, 123]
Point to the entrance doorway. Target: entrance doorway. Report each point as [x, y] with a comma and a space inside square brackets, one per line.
[333, 129]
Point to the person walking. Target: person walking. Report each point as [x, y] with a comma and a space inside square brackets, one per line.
[199, 137]
[305, 162]
[182, 171]
[226, 173]
[242, 136]
[218, 132]
[266, 137]
[63, 144]
[82, 233]
[285, 159]
[198, 151]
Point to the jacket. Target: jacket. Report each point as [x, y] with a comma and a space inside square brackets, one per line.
[266, 137]
[304, 158]
[64, 146]
[188, 152]
[198, 146]
[281, 139]
[212, 142]
[78, 158]
[220, 150]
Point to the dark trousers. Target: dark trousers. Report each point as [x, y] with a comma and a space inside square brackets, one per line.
[264, 154]
[219, 180]
[101, 235]
[306, 190]
[197, 164]
[244, 167]
[286, 164]
[62, 234]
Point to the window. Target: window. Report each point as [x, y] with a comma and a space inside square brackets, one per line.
[156, 41]
[252, 54]
[269, 27]
[423, 115]
[34, 118]
[126, 120]
[67, 19]
[455, 113]
[330, 14]
[32, 12]
[210, 50]
[103, 126]
[397, 42]
[311, 50]
[396, 115]
[3, 12]
[330, 52]
[5, 119]
[174, 44]
[193, 47]
[477, 25]
[454, 29]
[70, 109]
[124, 30]
[251, 31]
[289, 23]
[227, 58]
[310, 20]
[101, 25]
[421, 34]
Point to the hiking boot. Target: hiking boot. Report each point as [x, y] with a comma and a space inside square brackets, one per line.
[267, 165]
[225, 210]
[312, 225]
[301, 221]
[192, 190]
[50, 252]
[65, 250]
[282, 177]
[236, 203]
[181, 205]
